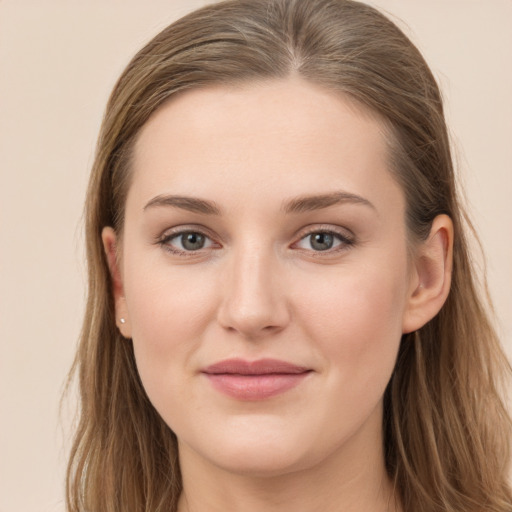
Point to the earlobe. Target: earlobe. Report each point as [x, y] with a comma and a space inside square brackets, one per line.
[432, 268]
[110, 241]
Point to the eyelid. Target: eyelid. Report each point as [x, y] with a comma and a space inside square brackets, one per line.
[342, 232]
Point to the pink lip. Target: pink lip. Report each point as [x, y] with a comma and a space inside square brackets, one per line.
[254, 380]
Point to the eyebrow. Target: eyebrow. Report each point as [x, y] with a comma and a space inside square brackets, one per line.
[190, 204]
[297, 205]
[317, 202]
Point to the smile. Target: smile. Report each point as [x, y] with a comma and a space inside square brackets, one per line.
[256, 380]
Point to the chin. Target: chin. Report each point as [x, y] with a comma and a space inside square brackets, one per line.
[260, 448]
[260, 461]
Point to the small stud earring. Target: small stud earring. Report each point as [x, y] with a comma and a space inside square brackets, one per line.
[122, 320]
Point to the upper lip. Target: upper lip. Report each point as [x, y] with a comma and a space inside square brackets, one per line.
[259, 367]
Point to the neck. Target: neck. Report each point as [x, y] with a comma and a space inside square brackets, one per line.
[353, 479]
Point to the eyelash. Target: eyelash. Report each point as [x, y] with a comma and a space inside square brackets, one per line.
[346, 242]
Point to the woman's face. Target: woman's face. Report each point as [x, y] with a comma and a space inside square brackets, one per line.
[264, 275]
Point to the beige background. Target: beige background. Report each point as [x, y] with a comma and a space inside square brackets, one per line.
[58, 62]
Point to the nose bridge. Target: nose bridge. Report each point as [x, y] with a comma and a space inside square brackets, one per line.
[253, 302]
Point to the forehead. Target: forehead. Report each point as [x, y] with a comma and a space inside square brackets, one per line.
[286, 135]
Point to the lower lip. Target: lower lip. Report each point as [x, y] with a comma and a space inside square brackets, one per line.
[255, 387]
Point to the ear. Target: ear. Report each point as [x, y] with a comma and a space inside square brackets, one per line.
[431, 275]
[109, 238]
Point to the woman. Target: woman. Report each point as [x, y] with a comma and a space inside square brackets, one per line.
[282, 311]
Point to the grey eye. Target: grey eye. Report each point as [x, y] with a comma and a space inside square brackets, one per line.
[321, 241]
[192, 241]
[187, 242]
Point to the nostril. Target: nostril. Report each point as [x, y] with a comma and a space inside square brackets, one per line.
[253, 322]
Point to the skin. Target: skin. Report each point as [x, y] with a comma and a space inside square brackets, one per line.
[260, 288]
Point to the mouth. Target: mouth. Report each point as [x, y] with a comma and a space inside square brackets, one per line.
[254, 380]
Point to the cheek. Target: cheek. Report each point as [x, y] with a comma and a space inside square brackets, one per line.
[168, 313]
[166, 303]
[356, 321]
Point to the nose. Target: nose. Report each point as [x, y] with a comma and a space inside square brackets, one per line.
[253, 300]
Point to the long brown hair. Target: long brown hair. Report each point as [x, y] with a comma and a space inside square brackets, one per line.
[446, 429]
